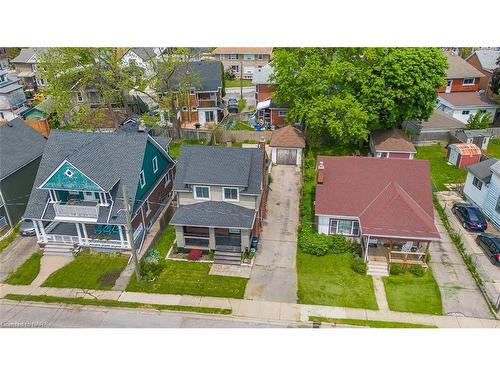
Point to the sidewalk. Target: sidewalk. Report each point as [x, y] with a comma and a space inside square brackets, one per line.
[269, 311]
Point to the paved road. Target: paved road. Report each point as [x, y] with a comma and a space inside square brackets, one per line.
[16, 254]
[273, 276]
[459, 292]
[20, 315]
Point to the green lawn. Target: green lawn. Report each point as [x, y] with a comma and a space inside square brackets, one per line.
[410, 293]
[441, 172]
[329, 280]
[27, 272]
[113, 303]
[89, 271]
[494, 148]
[242, 103]
[369, 323]
[174, 148]
[8, 240]
[190, 278]
[165, 241]
[236, 83]
[240, 125]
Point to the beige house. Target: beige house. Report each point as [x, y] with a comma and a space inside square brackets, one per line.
[243, 60]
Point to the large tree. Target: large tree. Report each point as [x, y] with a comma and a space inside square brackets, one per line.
[346, 92]
[495, 79]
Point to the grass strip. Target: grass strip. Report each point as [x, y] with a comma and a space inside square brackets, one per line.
[369, 323]
[8, 240]
[112, 303]
[27, 272]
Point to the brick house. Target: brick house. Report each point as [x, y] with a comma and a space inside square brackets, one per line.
[267, 110]
[485, 60]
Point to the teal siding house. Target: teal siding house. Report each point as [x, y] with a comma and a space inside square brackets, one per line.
[21, 149]
[77, 199]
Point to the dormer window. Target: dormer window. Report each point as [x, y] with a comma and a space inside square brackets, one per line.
[68, 173]
[201, 192]
[231, 194]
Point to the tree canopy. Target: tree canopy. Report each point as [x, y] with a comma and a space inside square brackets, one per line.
[346, 92]
[479, 120]
[495, 79]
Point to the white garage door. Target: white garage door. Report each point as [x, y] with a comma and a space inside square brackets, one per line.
[286, 156]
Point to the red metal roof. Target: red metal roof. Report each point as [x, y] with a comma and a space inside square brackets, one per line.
[391, 197]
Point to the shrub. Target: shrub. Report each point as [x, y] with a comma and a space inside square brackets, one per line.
[314, 243]
[416, 270]
[396, 269]
[152, 265]
[359, 266]
[152, 256]
[341, 244]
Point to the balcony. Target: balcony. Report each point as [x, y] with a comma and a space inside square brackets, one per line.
[207, 103]
[88, 211]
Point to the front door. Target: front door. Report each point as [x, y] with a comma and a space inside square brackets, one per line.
[449, 83]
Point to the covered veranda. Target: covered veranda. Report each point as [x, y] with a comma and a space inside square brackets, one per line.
[404, 251]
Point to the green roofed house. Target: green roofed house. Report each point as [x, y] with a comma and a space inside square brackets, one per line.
[77, 199]
[21, 149]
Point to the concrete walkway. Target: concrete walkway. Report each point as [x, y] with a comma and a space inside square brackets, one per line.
[378, 285]
[459, 292]
[50, 264]
[262, 310]
[273, 276]
[16, 254]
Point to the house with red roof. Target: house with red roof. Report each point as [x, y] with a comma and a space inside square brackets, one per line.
[385, 204]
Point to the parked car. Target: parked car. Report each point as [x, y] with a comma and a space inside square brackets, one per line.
[470, 217]
[232, 105]
[491, 246]
[27, 229]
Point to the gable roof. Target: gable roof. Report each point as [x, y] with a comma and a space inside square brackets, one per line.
[206, 75]
[439, 120]
[19, 145]
[221, 166]
[111, 160]
[287, 136]
[487, 58]
[392, 197]
[482, 170]
[394, 140]
[27, 55]
[459, 68]
[464, 99]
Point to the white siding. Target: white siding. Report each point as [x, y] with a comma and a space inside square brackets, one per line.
[274, 155]
[491, 200]
[464, 118]
[473, 193]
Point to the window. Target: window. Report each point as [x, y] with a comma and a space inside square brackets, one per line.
[148, 207]
[68, 172]
[465, 112]
[233, 56]
[192, 92]
[469, 81]
[184, 109]
[477, 183]
[249, 56]
[497, 208]
[167, 179]
[155, 164]
[260, 57]
[383, 154]
[231, 194]
[79, 97]
[235, 68]
[281, 113]
[347, 227]
[201, 192]
[142, 179]
[209, 116]
[1, 115]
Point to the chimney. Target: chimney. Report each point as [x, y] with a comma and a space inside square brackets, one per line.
[321, 173]
[262, 142]
[141, 128]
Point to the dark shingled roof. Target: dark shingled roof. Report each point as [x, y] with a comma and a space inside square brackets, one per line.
[19, 145]
[482, 169]
[205, 75]
[109, 159]
[220, 166]
[214, 214]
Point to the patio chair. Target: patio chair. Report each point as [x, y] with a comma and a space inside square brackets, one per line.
[407, 246]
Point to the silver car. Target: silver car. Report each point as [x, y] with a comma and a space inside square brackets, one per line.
[27, 228]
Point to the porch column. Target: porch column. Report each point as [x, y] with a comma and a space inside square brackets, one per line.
[122, 242]
[179, 235]
[37, 230]
[245, 239]
[366, 248]
[129, 240]
[85, 235]
[211, 238]
[42, 231]
[80, 240]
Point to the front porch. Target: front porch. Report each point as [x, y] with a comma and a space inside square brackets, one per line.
[101, 236]
[211, 238]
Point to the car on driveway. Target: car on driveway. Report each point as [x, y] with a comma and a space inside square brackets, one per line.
[470, 217]
[27, 229]
[232, 105]
[491, 246]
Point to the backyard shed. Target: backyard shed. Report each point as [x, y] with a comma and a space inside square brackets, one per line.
[479, 137]
[463, 154]
[286, 145]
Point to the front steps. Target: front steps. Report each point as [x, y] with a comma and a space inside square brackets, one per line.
[227, 257]
[377, 268]
[59, 249]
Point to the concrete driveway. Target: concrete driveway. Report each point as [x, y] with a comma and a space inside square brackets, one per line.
[16, 254]
[248, 94]
[273, 276]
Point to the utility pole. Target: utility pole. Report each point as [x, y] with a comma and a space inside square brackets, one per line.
[131, 234]
[241, 80]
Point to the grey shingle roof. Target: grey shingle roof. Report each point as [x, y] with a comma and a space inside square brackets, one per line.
[26, 54]
[214, 214]
[206, 75]
[109, 159]
[488, 58]
[220, 166]
[482, 169]
[145, 53]
[19, 145]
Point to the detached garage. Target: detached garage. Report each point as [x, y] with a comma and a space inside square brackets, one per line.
[286, 146]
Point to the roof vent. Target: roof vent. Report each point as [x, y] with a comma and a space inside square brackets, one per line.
[321, 165]
[141, 128]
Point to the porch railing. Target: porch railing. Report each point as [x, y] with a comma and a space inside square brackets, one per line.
[75, 210]
[107, 243]
[408, 257]
[74, 240]
[3, 222]
[62, 238]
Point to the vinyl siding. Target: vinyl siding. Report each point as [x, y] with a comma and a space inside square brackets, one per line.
[491, 200]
